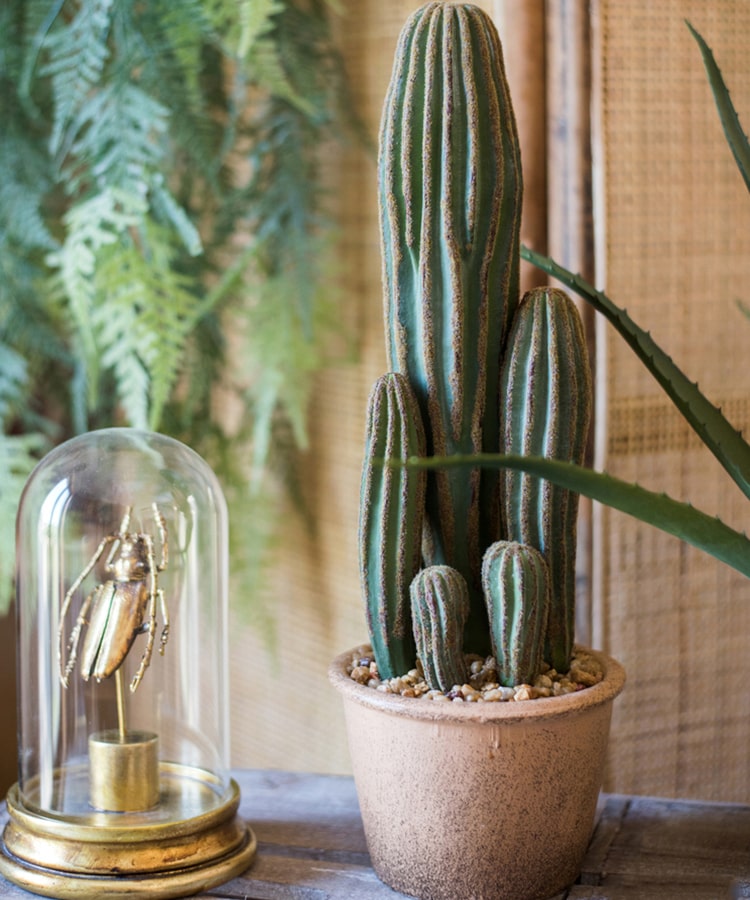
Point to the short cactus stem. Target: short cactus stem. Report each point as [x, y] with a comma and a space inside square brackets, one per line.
[390, 524]
[515, 580]
[450, 205]
[547, 397]
[439, 606]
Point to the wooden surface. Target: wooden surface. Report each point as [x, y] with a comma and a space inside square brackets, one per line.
[312, 847]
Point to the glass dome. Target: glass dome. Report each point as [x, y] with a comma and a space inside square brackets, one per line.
[122, 641]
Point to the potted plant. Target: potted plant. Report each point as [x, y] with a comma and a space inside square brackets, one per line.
[468, 575]
[481, 799]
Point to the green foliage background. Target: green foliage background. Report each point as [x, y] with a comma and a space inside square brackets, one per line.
[159, 189]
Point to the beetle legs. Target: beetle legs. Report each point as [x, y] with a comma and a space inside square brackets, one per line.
[153, 593]
[162, 526]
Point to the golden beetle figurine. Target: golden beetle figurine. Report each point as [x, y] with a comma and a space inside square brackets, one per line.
[122, 607]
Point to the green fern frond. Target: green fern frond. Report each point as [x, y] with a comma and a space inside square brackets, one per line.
[178, 32]
[242, 24]
[255, 22]
[20, 216]
[120, 140]
[22, 192]
[169, 211]
[266, 69]
[142, 322]
[283, 351]
[91, 225]
[29, 32]
[18, 456]
[13, 377]
[77, 52]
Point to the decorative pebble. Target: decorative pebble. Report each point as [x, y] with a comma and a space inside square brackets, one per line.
[483, 686]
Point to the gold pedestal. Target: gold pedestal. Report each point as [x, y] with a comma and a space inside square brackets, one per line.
[192, 841]
[123, 771]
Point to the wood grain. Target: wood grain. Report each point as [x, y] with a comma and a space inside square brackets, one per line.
[311, 846]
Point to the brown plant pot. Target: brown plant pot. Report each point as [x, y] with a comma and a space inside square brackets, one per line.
[478, 801]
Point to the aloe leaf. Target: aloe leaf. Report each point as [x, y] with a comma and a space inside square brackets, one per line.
[707, 420]
[681, 520]
[736, 137]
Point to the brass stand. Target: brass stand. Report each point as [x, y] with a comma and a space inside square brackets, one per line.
[191, 841]
[123, 771]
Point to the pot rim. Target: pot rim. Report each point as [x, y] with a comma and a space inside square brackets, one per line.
[495, 712]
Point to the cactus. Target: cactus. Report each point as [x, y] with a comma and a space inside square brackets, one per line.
[391, 511]
[450, 201]
[450, 196]
[547, 397]
[516, 584]
[439, 606]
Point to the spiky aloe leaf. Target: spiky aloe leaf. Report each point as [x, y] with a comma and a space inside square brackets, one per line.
[516, 584]
[736, 137]
[450, 205]
[707, 420]
[390, 522]
[681, 520]
[439, 607]
[546, 398]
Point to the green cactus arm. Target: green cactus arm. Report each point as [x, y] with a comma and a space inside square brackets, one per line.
[439, 607]
[517, 590]
[546, 396]
[736, 137]
[707, 420]
[390, 523]
[681, 520]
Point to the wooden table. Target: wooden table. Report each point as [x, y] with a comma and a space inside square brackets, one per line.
[311, 847]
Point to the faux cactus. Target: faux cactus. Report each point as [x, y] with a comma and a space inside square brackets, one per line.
[516, 584]
[440, 605]
[391, 511]
[450, 201]
[546, 410]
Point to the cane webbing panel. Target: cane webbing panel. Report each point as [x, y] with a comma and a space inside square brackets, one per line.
[673, 230]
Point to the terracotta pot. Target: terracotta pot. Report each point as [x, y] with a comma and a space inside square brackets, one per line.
[478, 801]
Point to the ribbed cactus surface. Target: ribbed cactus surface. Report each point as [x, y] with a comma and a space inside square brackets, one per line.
[390, 525]
[439, 607]
[477, 370]
[546, 409]
[516, 587]
[450, 202]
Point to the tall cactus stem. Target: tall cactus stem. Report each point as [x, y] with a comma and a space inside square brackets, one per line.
[515, 579]
[439, 607]
[450, 205]
[546, 409]
[390, 523]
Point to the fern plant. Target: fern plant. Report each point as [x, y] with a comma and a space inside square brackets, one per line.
[160, 179]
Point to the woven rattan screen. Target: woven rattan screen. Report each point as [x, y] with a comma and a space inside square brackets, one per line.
[673, 234]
